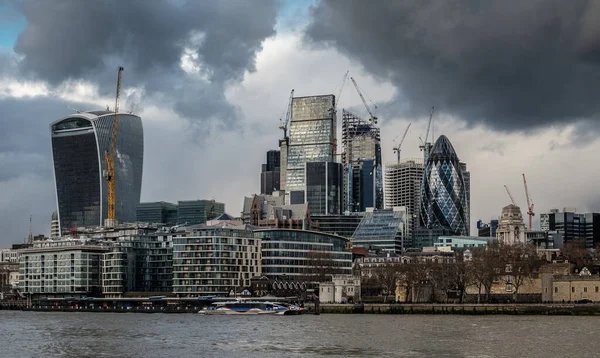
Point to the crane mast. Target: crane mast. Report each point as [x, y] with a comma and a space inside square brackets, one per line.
[284, 125]
[530, 212]
[426, 145]
[510, 195]
[109, 173]
[397, 148]
[373, 118]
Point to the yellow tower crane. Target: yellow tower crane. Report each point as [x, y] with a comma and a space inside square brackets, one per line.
[109, 157]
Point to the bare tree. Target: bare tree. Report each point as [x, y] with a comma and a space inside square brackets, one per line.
[321, 266]
[522, 263]
[414, 275]
[486, 267]
[386, 277]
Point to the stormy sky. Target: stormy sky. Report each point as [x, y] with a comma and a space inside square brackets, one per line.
[514, 84]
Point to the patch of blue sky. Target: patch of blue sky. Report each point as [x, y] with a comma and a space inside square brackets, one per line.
[12, 22]
[294, 14]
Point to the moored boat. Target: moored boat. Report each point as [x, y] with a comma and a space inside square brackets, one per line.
[247, 307]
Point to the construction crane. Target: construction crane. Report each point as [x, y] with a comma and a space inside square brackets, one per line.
[109, 157]
[284, 125]
[397, 148]
[529, 203]
[426, 145]
[373, 118]
[339, 93]
[510, 195]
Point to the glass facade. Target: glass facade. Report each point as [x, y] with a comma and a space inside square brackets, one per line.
[324, 188]
[290, 253]
[66, 271]
[381, 229]
[270, 175]
[215, 261]
[312, 137]
[443, 195]
[157, 212]
[78, 146]
[195, 212]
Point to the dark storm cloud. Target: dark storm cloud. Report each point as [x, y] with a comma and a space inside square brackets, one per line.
[73, 39]
[511, 65]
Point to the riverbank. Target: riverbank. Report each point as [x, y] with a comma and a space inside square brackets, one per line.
[465, 309]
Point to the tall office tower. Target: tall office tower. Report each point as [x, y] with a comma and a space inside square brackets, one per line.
[443, 201]
[270, 175]
[79, 144]
[324, 187]
[403, 188]
[573, 226]
[363, 179]
[54, 228]
[312, 138]
[467, 179]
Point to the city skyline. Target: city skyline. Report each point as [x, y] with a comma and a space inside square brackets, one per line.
[235, 120]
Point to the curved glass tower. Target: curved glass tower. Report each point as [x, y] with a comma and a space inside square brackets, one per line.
[79, 142]
[443, 194]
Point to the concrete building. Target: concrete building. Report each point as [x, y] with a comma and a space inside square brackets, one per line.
[573, 225]
[270, 175]
[382, 229]
[444, 201]
[312, 138]
[9, 255]
[61, 268]
[403, 188]
[215, 260]
[54, 225]
[361, 157]
[324, 188]
[511, 229]
[159, 212]
[341, 289]
[79, 143]
[268, 211]
[195, 212]
[303, 256]
[571, 287]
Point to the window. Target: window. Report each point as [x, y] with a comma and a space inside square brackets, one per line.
[585, 289]
[596, 289]
[572, 289]
[555, 289]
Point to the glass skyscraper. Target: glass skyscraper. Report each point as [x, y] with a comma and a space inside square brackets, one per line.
[79, 143]
[444, 202]
[324, 188]
[312, 138]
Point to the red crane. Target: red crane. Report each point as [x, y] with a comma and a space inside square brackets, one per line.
[529, 203]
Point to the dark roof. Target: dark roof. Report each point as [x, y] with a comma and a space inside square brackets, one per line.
[443, 149]
[225, 216]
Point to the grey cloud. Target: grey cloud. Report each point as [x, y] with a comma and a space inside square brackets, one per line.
[511, 65]
[89, 39]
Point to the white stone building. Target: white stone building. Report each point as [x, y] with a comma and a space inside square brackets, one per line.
[342, 289]
[511, 228]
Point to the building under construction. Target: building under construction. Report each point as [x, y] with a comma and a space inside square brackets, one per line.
[363, 179]
[403, 188]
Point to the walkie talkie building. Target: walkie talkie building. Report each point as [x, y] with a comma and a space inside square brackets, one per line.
[79, 142]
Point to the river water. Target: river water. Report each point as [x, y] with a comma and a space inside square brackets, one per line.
[57, 334]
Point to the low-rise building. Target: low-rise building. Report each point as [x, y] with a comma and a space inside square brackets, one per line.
[341, 289]
[215, 260]
[571, 287]
[61, 268]
[462, 242]
[304, 256]
[383, 230]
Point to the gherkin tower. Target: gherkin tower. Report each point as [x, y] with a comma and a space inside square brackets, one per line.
[444, 201]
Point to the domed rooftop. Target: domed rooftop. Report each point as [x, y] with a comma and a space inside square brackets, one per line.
[443, 149]
[55, 215]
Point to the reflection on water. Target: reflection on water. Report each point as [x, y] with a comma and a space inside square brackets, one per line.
[29, 334]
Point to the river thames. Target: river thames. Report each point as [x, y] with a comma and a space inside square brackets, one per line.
[32, 334]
